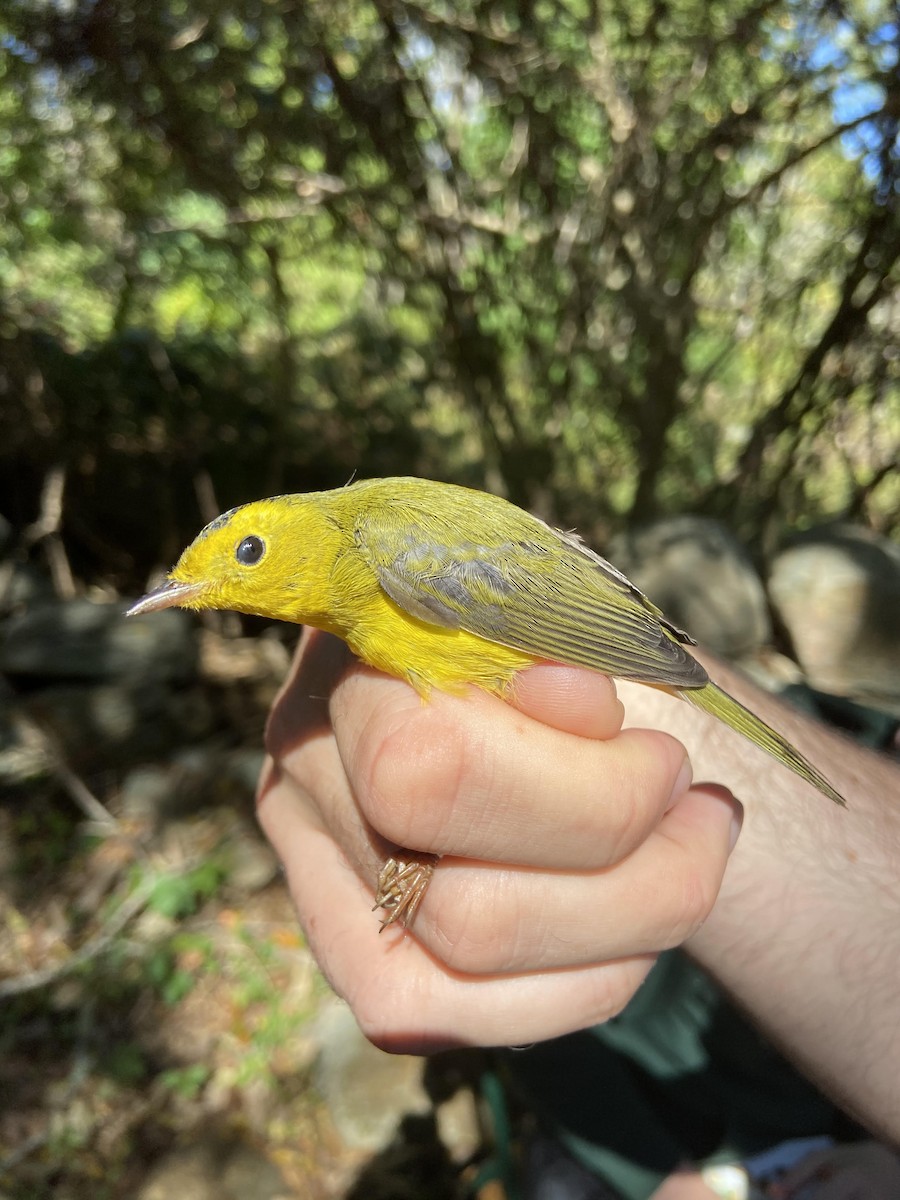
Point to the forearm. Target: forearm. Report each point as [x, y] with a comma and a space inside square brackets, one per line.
[805, 933]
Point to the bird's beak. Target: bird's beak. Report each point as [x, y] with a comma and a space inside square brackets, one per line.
[168, 595]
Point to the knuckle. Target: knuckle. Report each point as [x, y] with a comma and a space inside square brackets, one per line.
[408, 772]
[379, 1031]
[391, 1013]
[466, 938]
[697, 895]
[646, 771]
[624, 830]
[609, 994]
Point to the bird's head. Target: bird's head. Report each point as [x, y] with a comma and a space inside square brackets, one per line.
[264, 558]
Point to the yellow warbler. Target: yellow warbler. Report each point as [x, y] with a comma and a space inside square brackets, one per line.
[444, 587]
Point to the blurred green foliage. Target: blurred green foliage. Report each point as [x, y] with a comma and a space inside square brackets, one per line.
[176, 896]
[611, 261]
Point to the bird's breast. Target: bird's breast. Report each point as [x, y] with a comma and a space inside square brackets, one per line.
[432, 656]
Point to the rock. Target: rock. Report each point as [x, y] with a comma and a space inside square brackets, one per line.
[229, 660]
[23, 758]
[248, 1175]
[458, 1126]
[414, 1166]
[837, 591]
[697, 572]
[206, 773]
[24, 584]
[79, 639]
[210, 1170]
[252, 863]
[144, 793]
[367, 1091]
[108, 725]
[244, 767]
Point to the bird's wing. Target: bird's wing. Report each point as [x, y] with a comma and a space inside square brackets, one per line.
[559, 601]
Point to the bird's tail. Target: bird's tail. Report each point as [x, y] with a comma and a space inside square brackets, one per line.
[714, 700]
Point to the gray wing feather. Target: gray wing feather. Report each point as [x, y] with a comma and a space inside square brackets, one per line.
[564, 615]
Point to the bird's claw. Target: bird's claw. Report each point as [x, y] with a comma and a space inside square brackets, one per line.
[401, 885]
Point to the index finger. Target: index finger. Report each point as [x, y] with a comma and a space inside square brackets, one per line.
[473, 777]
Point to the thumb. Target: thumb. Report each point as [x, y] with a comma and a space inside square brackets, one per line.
[570, 699]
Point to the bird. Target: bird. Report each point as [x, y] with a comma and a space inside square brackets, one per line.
[446, 587]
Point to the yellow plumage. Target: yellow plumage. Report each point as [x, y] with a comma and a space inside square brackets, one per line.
[446, 587]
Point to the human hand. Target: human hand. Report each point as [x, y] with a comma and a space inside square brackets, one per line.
[572, 852]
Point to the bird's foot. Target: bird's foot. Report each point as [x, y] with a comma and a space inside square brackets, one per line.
[402, 882]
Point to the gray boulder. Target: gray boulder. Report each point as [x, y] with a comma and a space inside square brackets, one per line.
[84, 640]
[702, 578]
[836, 590]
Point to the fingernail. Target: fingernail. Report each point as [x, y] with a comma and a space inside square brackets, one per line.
[734, 806]
[683, 781]
[737, 823]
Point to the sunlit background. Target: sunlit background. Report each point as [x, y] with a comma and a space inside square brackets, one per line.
[616, 262]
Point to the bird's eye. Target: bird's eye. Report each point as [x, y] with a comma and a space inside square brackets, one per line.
[250, 550]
